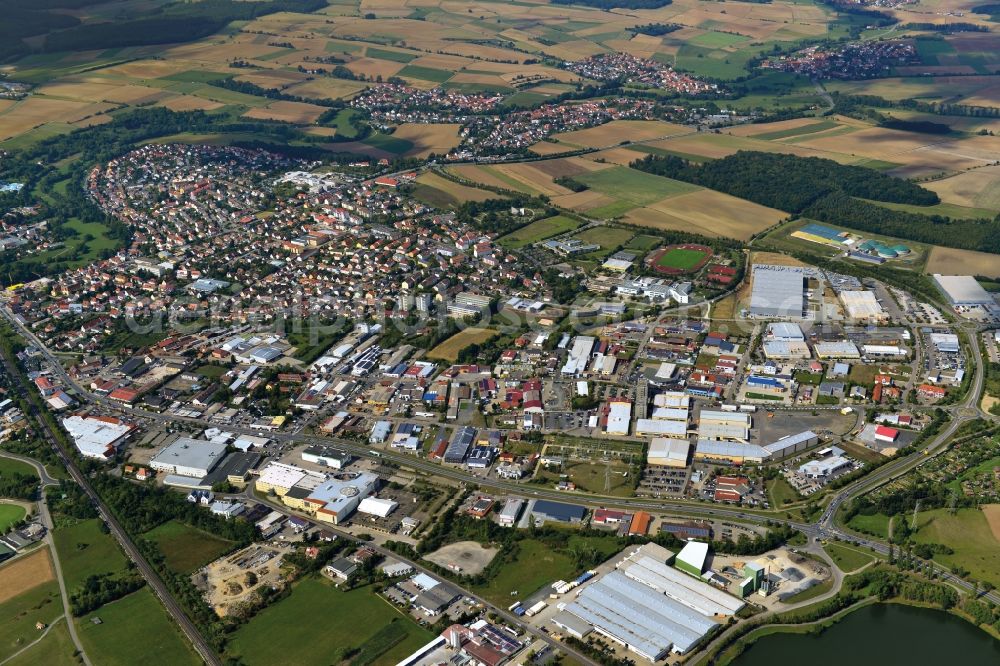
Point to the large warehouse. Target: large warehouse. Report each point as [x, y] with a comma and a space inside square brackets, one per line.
[97, 436]
[963, 290]
[649, 606]
[778, 292]
[668, 451]
[188, 457]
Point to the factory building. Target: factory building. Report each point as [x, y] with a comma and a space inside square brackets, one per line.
[188, 457]
[862, 306]
[668, 452]
[778, 292]
[98, 437]
[963, 290]
[579, 356]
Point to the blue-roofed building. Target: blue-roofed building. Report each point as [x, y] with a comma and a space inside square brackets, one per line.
[564, 513]
[764, 382]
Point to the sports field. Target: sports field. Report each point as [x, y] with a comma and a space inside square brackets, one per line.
[448, 350]
[538, 230]
[134, 630]
[10, 514]
[286, 632]
[679, 259]
[185, 548]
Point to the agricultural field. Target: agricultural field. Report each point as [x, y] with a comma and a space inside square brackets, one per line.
[427, 139]
[620, 131]
[135, 629]
[448, 350]
[84, 550]
[185, 548]
[440, 192]
[296, 113]
[18, 614]
[945, 260]
[55, 648]
[24, 573]
[630, 189]
[538, 230]
[979, 188]
[707, 212]
[968, 533]
[285, 632]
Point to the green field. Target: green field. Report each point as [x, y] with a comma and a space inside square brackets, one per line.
[85, 550]
[538, 230]
[286, 632]
[535, 565]
[342, 121]
[10, 514]
[134, 630]
[797, 131]
[680, 258]
[389, 143]
[876, 524]
[392, 56]
[968, 533]
[54, 650]
[632, 188]
[717, 39]
[185, 548]
[847, 558]
[19, 615]
[424, 73]
[781, 492]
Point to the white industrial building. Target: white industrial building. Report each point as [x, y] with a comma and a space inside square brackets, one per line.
[377, 507]
[337, 498]
[946, 343]
[579, 356]
[193, 458]
[862, 306]
[784, 332]
[674, 399]
[660, 428]
[97, 437]
[963, 290]
[668, 451]
[786, 349]
[647, 606]
[818, 469]
[777, 292]
[792, 444]
[619, 418]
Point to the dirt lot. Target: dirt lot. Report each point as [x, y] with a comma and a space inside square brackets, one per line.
[992, 513]
[471, 556]
[225, 581]
[25, 573]
[945, 260]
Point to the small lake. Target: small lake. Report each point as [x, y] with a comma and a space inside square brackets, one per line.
[881, 635]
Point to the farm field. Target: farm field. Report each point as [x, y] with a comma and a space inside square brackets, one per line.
[296, 113]
[979, 188]
[709, 213]
[448, 350]
[187, 549]
[714, 146]
[946, 260]
[84, 550]
[25, 573]
[618, 131]
[18, 615]
[135, 629]
[56, 649]
[538, 230]
[285, 632]
[630, 189]
[427, 139]
[969, 534]
[443, 193]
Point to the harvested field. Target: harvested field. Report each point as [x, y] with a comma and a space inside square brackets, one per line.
[569, 166]
[613, 133]
[470, 557]
[708, 212]
[276, 78]
[190, 103]
[947, 260]
[619, 156]
[448, 350]
[530, 178]
[371, 67]
[992, 513]
[979, 188]
[722, 145]
[767, 128]
[288, 112]
[25, 573]
[428, 139]
[443, 193]
[326, 88]
[35, 110]
[478, 174]
[583, 201]
[546, 148]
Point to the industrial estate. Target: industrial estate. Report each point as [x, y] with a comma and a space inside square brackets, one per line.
[608, 332]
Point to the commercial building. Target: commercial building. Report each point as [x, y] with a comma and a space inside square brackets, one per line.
[737, 453]
[841, 349]
[963, 290]
[619, 417]
[785, 332]
[782, 349]
[459, 446]
[98, 437]
[688, 530]
[791, 444]
[862, 306]
[377, 507]
[189, 457]
[817, 469]
[946, 343]
[660, 428]
[326, 456]
[336, 498]
[543, 510]
[778, 292]
[668, 452]
[579, 355]
[510, 513]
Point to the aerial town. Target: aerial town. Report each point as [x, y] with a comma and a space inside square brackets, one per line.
[626, 360]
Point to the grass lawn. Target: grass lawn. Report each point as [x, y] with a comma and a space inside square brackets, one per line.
[863, 374]
[968, 533]
[84, 550]
[811, 593]
[342, 121]
[285, 633]
[8, 466]
[781, 492]
[134, 630]
[590, 477]
[56, 648]
[538, 230]
[847, 558]
[762, 396]
[876, 524]
[10, 514]
[608, 238]
[19, 615]
[643, 243]
[634, 187]
[187, 549]
[211, 371]
[680, 258]
[811, 378]
[536, 565]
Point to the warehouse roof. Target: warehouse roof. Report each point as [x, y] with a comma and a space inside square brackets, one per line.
[191, 453]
